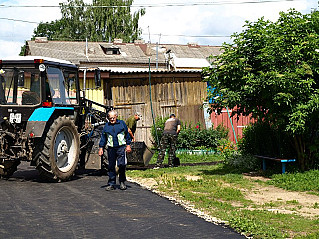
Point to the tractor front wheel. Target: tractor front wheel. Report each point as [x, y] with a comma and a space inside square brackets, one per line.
[60, 154]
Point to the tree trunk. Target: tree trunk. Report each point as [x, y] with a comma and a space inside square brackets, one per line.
[300, 149]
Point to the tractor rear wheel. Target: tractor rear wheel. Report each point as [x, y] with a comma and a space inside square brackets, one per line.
[60, 153]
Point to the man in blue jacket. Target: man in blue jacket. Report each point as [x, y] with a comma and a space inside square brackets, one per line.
[115, 135]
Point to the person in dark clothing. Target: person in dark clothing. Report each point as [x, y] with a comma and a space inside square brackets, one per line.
[131, 124]
[117, 139]
[171, 130]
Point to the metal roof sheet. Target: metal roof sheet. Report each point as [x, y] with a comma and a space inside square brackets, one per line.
[190, 62]
[124, 70]
[32, 58]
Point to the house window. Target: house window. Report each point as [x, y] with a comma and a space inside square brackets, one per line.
[111, 50]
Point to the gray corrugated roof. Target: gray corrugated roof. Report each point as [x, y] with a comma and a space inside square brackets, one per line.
[74, 52]
[130, 52]
[187, 51]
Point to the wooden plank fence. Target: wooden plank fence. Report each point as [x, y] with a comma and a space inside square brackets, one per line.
[178, 93]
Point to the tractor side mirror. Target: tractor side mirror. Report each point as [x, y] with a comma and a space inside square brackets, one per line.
[21, 78]
[97, 78]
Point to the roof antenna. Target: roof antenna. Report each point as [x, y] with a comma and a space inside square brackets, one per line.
[86, 49]
[157, 56]
[149, 34]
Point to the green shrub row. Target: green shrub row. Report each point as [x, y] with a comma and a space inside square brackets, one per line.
[191, 136]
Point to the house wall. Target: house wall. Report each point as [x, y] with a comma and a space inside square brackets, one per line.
[182, 94]
[93, 93]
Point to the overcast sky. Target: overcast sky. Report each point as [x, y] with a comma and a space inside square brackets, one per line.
[200, 21]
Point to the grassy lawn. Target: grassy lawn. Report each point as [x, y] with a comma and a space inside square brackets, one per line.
[186, 158]
[229, 195]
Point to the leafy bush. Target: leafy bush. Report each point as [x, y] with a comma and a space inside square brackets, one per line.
[261, 138]
[235, 158]
[226, 148]
[274, 76]
[243, 162]
[192, 137]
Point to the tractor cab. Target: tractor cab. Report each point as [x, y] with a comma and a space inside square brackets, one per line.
[36, 82]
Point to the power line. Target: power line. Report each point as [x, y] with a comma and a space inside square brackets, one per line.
[144, 34]
[182, 35]
[17, 20]
[152, 5]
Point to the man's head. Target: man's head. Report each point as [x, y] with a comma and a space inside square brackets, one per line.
[137, 116]
[172, 116]
[112, 116]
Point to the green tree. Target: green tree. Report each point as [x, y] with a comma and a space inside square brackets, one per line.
[23, 49]
[271, 71]
[116, 22]
[103, 20]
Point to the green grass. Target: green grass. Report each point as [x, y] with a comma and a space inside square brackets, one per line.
[307, 181]
[218, 190]
[190, 158]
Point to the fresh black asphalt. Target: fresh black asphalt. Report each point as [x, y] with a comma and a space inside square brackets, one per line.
[81, 208]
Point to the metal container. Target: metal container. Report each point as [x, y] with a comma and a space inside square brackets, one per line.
[140, 155]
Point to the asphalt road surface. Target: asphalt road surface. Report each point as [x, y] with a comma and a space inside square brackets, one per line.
[81, 208]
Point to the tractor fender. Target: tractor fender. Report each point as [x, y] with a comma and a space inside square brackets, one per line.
[39, 118]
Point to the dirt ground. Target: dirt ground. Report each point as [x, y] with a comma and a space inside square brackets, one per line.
[270, 198]
[283, 201]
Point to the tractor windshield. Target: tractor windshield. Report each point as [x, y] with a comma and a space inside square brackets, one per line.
[19, 86]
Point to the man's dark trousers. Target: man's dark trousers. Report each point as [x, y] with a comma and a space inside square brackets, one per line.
[167, 141]
[116, 154]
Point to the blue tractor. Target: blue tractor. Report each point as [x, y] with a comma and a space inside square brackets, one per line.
[45, 118]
